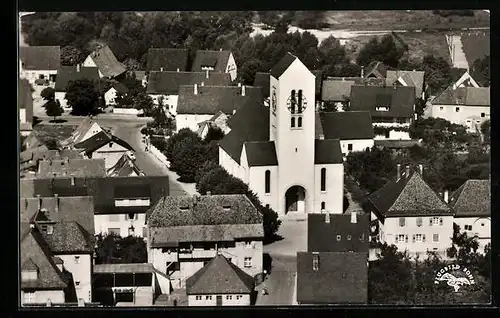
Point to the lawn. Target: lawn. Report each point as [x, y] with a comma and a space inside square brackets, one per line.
[475, 45]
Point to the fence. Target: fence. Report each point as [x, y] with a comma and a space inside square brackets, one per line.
[125, 111]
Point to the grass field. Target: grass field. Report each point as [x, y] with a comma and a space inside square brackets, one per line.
[475, 45]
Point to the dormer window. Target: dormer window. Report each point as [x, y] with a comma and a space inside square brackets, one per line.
[50, 229]
[315, 264]
[382, 108]
[226, 207]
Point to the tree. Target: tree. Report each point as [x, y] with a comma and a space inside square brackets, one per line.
[53, 109]
[83, 96]
[437, 73]
[207, 166]
[113, 249]
[464, 248]
[188, 156]
[214, 133]
[184, 133]
[48, 93]
[384, 50]
[486, 130]
[246, 72]
[481, 71]
[71, 55]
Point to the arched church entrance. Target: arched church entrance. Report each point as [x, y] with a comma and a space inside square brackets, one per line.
[295, 200]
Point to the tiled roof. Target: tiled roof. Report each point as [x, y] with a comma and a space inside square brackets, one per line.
[29, 265]
[168, 83]
[336, 90]
[123, 268]
[318, 127]
[124, 167]
[65, 74]
[327, 151]
[400, 99]
[359, 80]
[261, 153]
[40, 58]
[342, 278]
[219, 276]
[168, 59]
[411, 78]
[79, 132]
[72, 167]
[473, 198]
[211, 99]
[107, 63]
[377, 69]
[283, 65]
[410, 196]
[467, 96]
[120, 88]
[348, 125]
[396, 144]
[216, 59]
[42, 134]
[100, 139]
[322, 236]
[69, 237]
[262, 80]
[33, 154]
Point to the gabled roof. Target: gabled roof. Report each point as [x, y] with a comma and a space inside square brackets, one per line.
[262, 80]
[69, 237]
[124, 167]
[377, 69]
[411, 78]
[336, 90]
[107, 63]
[216, 59]
[400, 99]
[168, 59]
[219, 276]
[327, 151]
[261, 153]
[408, 196]
[100, 139]
[472, 199]
[283, 65]
[40, 58]
[322, 236]
[72, 167]
[65, 74]
[120, 88]
[210, 99]
[34, 154]
[29, 265]
[168, 83]
[348, 125]
[467, 96]
[341, 278]
[80, 132]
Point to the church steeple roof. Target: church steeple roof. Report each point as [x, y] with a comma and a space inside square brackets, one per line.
[283, 65]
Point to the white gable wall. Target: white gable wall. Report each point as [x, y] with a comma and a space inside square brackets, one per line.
[111, 153]
[357, 145]
[89, 62]
[190, 121]
[334, 194]
[231, 67]
[110, 96]
[449, 112]
[481, 226]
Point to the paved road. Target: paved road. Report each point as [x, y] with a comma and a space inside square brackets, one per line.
[280, 283]
[456, 52]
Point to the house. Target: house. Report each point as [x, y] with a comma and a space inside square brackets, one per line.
[167, 59]
[39, 62]
[375, 69]
[185, 233]
[468, 106]
[87, 128]
[462, 78]
[411, 215]
[72, 73]
[262, 80]
[25, 107]
[199, 103]
[216, 61]
[275, 150]
[71, 167]
[218, 120]
[124, 167]
[130, 284]
[392, 108]
[408, 78]
[66, 226]
[49, 135]
[166, 85]
[106, 62]
[104, 145]
[332, 278]
[115, 90]
[471, 204]
[30, 158]
[352, 128]
[220, 283]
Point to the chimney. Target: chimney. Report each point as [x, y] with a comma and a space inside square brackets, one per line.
[39, 201]
[208, 73]
[72, 181]
[78, 67]
[220, 49]
[196, 89]
[399, 172]
[239, 84]
[209, 192]
[362, 71]
[445, 196]
[234, 111]
[56, 198]
[161, 69]
[202, 84]
[178, 70]
[421, 169]
[327, 217]
[354, 217]
[242, 90]
[407, 171]
[321, 137]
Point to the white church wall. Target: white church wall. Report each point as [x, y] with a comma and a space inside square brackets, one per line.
[357, 145]
[257, 182]
[334, 190]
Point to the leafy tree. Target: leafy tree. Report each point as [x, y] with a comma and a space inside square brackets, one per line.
[371, 168]
[437, 73]
[184, 133]
[310, 19]
[464, 248]
[187, 157]
[331, 51]
[53, 109]
[486, 131]
[480, 71]
[83, 96]
[269, 18]
[384, 50]
[48, 93]
[71, 55]
[113, 249]
[204, 169]
[214, 134]
[246, 72]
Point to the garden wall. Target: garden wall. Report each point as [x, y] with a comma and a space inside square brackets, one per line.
[125, 111]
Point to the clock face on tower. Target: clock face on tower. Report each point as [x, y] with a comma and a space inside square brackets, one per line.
[274, 100]
[296, 104]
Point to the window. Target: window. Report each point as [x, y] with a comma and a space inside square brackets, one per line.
[434, 220]
[41, 76]
[299, 121]
[349, 147]
[198, 297]
[229, 297]
[50, 229]
[131, 231]
[292, 122]
[247, 262]
[401, 222]
[419, 222]
[208, 297]
[29, 297]
[435, 237]
[300, 103]
[77, 259]
[77, 284]
[482, 224]
[115, 231]
[268, 181]
[315, 262]
[339, 237]
[144, 231]
[468, 227]
[440, 221]
[387, 133]
[483, 115]
[110, 144]
[457, 109]
[248, 244]
[418, 238]
[238, 297]
[362, 237]
[267, 206]
[323, 179]
[401, 238]
[441, 108]
[323, 206]
[348, 237]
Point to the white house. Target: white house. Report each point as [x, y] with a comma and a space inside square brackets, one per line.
[274, 149]
[111, 94]
[471, 204]
[218, 120]
[216, 61]
[104, 59]
[72, 73]
[39, 62]
[87, 128]
[407, 78]
[410, 215]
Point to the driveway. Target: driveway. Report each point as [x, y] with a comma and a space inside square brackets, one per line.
[280, 283]
[294, 233]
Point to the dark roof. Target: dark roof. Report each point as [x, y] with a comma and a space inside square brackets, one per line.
[400, 99]
[359, 80]
[124, 167]
[250, 123]
[216, 59]
[346, 125]
[327, 151]
[107, 63]
[72, 167]
[261, 153]
[376, 69]
[69, 237]
[263, 80]
[472, 199]
[322, 236]
[80, 132]
[168, 83]
[467, 96]
[396, 144]
[26, 98]
[120, 88]
[65, 74]
[100, 139]
[40, 58]
[123, 268]
[283, 65]
[219, 276]
[342, 278]
[125, 191]
[42, 134]
[168, 59]
[211, 99]
[408, 196]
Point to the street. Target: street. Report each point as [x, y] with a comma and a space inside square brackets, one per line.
[280, 283]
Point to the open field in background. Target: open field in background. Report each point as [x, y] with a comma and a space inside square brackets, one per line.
[475, 45]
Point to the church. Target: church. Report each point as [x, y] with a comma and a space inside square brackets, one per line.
[278, 151]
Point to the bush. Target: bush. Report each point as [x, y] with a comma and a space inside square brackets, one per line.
[188, 156]
[176, 138]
